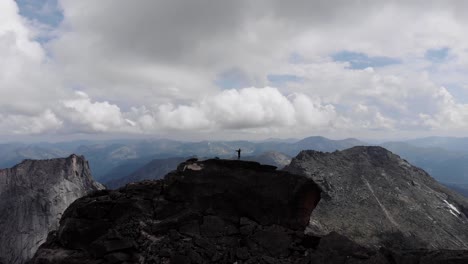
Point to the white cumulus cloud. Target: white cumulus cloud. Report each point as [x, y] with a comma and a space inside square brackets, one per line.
[85, 115]
[155, 67]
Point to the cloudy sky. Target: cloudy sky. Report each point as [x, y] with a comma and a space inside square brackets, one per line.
[233, 69]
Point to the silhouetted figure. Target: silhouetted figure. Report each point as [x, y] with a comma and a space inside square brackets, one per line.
[238, 153]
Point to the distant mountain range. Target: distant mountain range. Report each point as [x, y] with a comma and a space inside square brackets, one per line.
[158, 168]
[13, 153]
[458, 144]
[441, 163]
[274, 158]
[154, 170]
[368, 194]
[106, 156]
[445, 158]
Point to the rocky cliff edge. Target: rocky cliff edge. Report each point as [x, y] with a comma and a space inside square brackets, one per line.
[33, 196]
[214, 211]
[377, 199]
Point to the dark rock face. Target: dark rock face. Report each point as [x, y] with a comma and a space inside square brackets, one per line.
[158, 168]
[215, 211]
[245, 188]
[33, 196]
[375, 198]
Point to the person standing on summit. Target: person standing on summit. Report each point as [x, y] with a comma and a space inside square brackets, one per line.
[238, 153]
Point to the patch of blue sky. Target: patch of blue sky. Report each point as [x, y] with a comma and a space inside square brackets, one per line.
[437, 55]
[458, 91]
[282, 79]
[42, 12]
[232, 79]
[295, 58]
[358, 60]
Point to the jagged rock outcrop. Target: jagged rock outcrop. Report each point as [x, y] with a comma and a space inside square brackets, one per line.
[378, 199]
[214, 211]
[33, 196]
[158, 168]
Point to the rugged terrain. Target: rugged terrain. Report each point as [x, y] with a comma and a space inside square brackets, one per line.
[213, 211]
[158, 168]
[216, 210]
[33, 196]
[377, 199]
[445, 159]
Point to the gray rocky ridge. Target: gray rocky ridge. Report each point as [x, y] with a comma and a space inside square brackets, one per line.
[375, 198]
[217, 211]
[33, 196]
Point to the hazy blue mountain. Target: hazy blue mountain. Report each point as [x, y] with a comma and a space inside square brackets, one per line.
[217, 148]
[442, 164]
[125, 169]
[112, 159]
[104, 157]
[459, 144]
[274, 158]
[67, 146]
[286, 140]
[328, 145]
[117, 160]
[158, 168]
[314, 143]
[460, 188]
[444, 158]
[14, 153]
[154, 170]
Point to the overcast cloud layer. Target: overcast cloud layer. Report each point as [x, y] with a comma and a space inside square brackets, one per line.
[253, 69]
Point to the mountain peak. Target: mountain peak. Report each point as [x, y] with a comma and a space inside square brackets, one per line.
[212, 207]
[380, 197]
[72, 157]
[35, 193]
[228, 211]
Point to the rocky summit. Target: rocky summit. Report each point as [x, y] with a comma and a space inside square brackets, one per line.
[33, 196]
[375, 198]
[213, 211]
